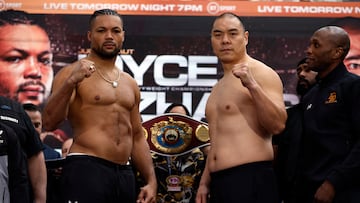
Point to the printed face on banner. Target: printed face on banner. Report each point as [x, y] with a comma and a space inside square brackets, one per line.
[25, 63]
[352, 60]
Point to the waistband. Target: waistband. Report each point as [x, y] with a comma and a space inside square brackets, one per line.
[80, 156]
[253, 166]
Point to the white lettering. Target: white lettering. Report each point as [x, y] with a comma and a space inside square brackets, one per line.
[318, 9]
[227, 8]
[195, 70]
[56, 6]
[147, 99]
[269, 9]
[196, 66]
[189, 7]
[98, 6]
[199, 111]
[10, 5]
[159, 64]
[7, 118]
[357, 9]
[138, 70]
[157, 7]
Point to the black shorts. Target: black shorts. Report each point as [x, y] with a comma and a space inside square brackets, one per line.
[89, 179]
[248, 183]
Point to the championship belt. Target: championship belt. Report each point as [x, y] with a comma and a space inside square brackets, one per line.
[175, 134]
[176, 142]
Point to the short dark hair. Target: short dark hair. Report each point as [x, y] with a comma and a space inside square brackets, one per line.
[15, 17]
[171, 106]
[103, 12]
[225, 14]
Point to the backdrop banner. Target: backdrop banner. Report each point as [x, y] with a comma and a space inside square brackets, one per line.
[167, 45]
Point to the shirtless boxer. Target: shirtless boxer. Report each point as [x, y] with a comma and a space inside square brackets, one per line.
[102, 105]
[244, 110]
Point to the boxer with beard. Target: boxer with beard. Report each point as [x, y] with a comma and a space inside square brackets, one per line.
[101, 103]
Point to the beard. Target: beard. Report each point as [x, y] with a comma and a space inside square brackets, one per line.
[302, 87]
[106, 55]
